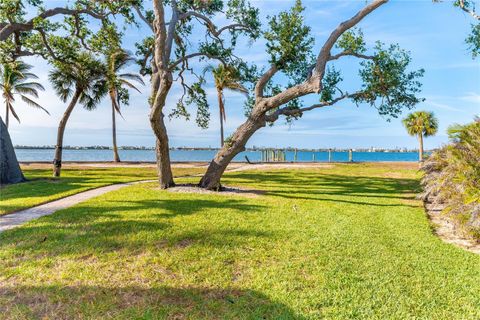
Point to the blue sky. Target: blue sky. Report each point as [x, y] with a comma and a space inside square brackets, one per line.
[433, 33]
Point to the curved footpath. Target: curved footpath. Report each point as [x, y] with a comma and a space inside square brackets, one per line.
[12, 220]
[15, 219]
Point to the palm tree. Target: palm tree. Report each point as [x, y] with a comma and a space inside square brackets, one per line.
[116, 83]
[14, 81]
[421, 124]
[84, 82]
[226, 77]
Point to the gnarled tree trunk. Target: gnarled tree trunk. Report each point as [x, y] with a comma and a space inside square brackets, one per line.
[211, 178]
[165, 176]
[10, 171]
[57, 160]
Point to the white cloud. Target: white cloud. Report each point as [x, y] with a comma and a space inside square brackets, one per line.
[441, 106]
[471, 97]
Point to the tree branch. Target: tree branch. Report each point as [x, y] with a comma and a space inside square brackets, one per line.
[171, 30]
[349, 53]
[210, 25]
[6, 29]
[193, 55]
[287, 95]
[461, 4]
[324, 54]
[49, 49]
[144, 61]
[295, 112]
[262, 82]
[143, 17]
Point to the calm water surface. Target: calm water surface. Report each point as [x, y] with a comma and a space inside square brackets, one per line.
[205, 155]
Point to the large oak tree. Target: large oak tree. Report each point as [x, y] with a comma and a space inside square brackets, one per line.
[386, 83]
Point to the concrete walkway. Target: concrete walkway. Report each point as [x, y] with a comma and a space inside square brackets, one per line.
[12, 220]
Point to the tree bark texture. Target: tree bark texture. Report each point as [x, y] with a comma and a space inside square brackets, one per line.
[420, 148]
[235, 145]
[161, 83]
[116, 157]
[162, 151]
[7, 116]
[221, 110]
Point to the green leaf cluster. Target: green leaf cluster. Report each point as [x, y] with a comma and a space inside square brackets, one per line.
[387, 83]
[289, 42]
[352, 41]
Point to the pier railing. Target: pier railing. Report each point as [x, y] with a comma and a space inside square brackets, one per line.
[280, 155]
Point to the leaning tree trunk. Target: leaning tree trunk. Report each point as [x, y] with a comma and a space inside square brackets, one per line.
[216, 168]
[10, 171]
[420, 149]
[116, 157]
[162, 151]
[57, 160]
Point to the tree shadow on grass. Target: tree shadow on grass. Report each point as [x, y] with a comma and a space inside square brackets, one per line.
[156, 208]
[106, 228]
[41, 184]
[131, 302]
[311, 186]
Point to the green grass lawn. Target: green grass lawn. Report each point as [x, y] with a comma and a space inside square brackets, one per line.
[346, 242]
[42, 188]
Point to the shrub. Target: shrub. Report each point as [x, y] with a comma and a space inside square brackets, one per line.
[452, 177]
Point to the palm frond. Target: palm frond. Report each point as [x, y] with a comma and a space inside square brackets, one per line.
[236, 87]
[26, 90]
[10, 107]
[89, 102]
[130, 85]
[33, 104]
[34, 85]
[132, 76]
[115, 98]
[29, 75]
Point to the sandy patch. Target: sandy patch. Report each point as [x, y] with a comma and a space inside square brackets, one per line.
[277, 166]
[447, 231]
[227, 191]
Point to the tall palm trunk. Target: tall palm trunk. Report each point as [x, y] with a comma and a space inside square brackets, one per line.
[116, 157]
[57, 160]
[221, 108]
[420, 149]
[7, 115]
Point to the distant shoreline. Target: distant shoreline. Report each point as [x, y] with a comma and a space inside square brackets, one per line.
[400, 150]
